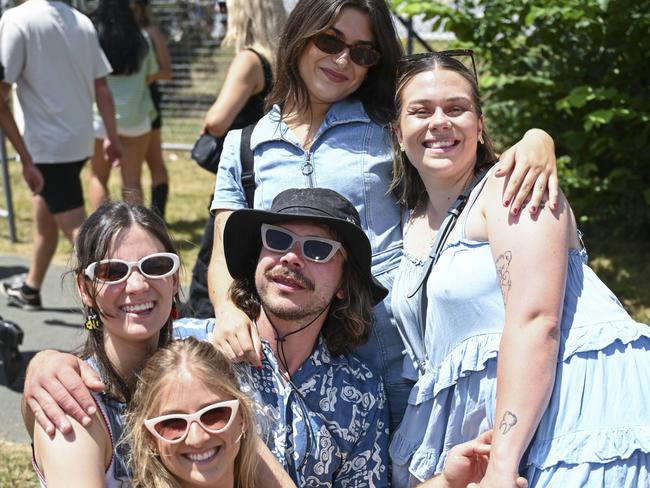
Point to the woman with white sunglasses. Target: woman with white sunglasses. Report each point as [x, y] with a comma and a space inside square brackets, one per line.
[127, 276]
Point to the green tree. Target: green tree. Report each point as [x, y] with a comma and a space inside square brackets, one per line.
[579, 69]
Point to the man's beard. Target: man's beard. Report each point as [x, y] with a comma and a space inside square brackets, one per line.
[293, 312]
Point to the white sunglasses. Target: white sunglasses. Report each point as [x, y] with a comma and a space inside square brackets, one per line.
[173, 428]
[317, 249]
[154, 266]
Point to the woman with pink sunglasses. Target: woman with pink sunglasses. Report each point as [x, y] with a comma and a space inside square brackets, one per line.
[189, 424]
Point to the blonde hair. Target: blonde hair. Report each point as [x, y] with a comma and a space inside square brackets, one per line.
[256, 24]
[206, 365]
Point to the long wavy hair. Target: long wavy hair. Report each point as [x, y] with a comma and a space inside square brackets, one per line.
[256, 24]
[93, 244]
[407, 184]
[120, 36]
[349, 319]
[311, 17]
[207, 366]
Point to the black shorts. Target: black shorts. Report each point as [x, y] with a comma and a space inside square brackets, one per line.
[156, 98]
[62, 190]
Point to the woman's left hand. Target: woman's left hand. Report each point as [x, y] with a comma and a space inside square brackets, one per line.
[532, 167]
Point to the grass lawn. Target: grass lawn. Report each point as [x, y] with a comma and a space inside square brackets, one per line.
[16, 466]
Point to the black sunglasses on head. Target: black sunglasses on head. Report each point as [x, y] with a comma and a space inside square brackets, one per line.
[361, 54]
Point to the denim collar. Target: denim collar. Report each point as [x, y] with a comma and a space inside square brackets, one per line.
[272, 128]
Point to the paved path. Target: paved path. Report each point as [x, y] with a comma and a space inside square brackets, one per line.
[57, 326]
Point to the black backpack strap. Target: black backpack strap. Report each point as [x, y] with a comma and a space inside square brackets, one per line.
[247, 164]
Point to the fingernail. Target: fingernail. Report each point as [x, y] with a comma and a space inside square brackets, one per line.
[515, 210]
[85, 421]
[64, 426]
[533, 209]
[91, 410]
[506, 203]
[259, 367]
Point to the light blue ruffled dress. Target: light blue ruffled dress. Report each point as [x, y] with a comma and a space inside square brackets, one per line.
[596, 429]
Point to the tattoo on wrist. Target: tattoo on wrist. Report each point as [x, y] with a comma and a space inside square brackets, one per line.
[503, 273]
[507, 422]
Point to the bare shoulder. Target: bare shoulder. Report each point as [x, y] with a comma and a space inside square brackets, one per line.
[247, 60]
[61, 455]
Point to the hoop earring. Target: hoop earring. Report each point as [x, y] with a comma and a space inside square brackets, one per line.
[480, 139]
[93, 321]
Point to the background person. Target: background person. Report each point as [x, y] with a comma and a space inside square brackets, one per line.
[51, 52]
[332, 103]
[132, 56]
[154, 155]
[519, 334]
[254, 27]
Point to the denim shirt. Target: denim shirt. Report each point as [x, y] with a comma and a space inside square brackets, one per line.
[350, 154]
[330, 427]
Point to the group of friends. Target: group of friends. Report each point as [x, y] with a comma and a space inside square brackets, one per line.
[399, 307]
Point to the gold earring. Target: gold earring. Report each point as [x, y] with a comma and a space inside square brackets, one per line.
[480, 139]
[401, 146]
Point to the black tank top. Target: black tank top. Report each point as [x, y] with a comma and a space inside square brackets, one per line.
[254, 108]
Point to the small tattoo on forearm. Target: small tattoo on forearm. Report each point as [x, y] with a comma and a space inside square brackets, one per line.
[503, 264]
[507, 422]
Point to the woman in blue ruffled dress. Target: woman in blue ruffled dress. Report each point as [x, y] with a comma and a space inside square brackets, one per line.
[505, 324]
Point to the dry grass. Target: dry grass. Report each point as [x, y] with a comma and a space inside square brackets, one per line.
[16, 466]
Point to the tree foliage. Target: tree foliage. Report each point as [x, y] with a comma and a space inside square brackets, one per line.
[579, 69]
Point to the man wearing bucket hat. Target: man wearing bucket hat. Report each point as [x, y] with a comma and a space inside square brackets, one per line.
[302, 273]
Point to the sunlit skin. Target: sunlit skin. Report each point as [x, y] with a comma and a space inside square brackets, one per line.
[134, 310]
[330, 78]
[201, 459]
[293, 288]
[439, 126]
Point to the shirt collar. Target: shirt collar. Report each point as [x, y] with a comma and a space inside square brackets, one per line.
[271, 127]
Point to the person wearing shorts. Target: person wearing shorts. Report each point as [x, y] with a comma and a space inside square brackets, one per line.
[51, 52]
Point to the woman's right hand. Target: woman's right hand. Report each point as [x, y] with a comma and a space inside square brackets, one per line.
[236, 336]
[57, 384]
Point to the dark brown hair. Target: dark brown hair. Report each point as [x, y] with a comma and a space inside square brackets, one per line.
[311, 17]
[407, 184]
[349, 320]
[93, 244]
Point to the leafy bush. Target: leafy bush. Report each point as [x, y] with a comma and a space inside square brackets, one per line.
[579, 69]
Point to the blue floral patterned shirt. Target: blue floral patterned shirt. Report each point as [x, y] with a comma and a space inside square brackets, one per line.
[329, 428]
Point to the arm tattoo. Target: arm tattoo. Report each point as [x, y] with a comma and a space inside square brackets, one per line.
[507, 422]
[503, 264]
